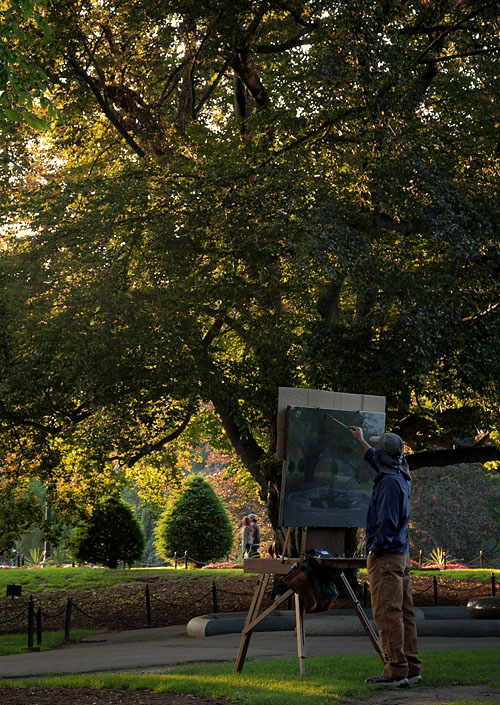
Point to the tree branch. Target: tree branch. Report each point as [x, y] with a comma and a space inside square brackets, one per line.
[440, 458]
[449, 57]
[244, 66]
[213, 85]
[383, 220]
[105, 107]
[324, 127]
[158, 445]
[329, 301]
[165, 92]
[291, 43]
[16, 420]
[452, 28]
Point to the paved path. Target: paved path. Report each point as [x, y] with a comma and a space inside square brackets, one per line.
[158, 649]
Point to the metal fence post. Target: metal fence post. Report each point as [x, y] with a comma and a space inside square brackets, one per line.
[214, 596]
[31, 621]
[175, 560]
[365, 595]
[445, 558]
[481, 560]
[435, 585]
[39, 626]
[148, 605]
[420, 558]
[185, 559]
[493, 586]
[67, 621]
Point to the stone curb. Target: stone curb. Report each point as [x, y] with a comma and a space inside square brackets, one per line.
[431, 621]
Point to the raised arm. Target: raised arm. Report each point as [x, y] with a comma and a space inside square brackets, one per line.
[357, 433]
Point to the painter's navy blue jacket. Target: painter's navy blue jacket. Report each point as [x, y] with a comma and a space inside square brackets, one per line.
[389, 510]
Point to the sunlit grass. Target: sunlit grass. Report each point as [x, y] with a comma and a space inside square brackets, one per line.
[59, 579]
[17, 643]
[459, 574]
[329, 679]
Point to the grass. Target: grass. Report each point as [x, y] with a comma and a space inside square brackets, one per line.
[59, 579]
[330, 680]
[481, 574]
[17, 643]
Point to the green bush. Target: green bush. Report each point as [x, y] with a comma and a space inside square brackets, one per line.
[111, 534]
[195, 521]
[456, 508]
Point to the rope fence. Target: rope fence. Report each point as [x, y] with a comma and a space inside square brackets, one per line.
[141, 609]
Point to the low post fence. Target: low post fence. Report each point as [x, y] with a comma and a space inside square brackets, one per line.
[151, 605]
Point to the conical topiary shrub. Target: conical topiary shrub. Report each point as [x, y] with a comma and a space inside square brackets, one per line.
[195, 521]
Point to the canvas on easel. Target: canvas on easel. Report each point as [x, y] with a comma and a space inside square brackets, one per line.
[325, 481]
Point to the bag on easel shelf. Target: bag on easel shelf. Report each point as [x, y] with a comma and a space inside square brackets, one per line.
[313, 582]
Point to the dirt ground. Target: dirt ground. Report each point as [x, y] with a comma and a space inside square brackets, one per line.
[421, 695]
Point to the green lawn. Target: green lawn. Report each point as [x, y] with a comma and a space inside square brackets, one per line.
[57, 579]
[17, 643]
[330, 680]
[470, 574]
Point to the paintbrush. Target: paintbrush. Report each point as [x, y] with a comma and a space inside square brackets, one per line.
[334, 419]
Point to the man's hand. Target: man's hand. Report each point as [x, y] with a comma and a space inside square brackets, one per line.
[357, 433]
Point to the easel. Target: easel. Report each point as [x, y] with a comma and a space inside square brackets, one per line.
[270, 566]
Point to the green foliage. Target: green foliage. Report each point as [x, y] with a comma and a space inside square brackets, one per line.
[456, 508]
[165, 254]
[24, 85]
[19, 511]
[195, 521]
[109, 535]
[436, 557]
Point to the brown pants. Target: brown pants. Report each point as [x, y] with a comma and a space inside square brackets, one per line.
[392, 605]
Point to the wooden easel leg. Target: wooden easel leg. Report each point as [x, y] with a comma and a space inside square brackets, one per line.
[253, 611]
[301, 644]
[365, 622]
[285, 545]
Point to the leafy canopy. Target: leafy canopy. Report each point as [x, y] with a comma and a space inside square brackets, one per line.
[248, 195]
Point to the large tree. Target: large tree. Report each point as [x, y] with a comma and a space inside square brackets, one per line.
[245, 195]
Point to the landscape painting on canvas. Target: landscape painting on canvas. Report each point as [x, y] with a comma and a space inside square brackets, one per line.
[326, 481]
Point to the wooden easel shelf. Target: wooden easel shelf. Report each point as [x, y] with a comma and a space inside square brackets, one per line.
[277, 566]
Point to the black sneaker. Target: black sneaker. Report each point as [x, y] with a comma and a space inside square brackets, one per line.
[415, 680]
[383, 682]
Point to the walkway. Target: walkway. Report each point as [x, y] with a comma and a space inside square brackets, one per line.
[158, 649]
